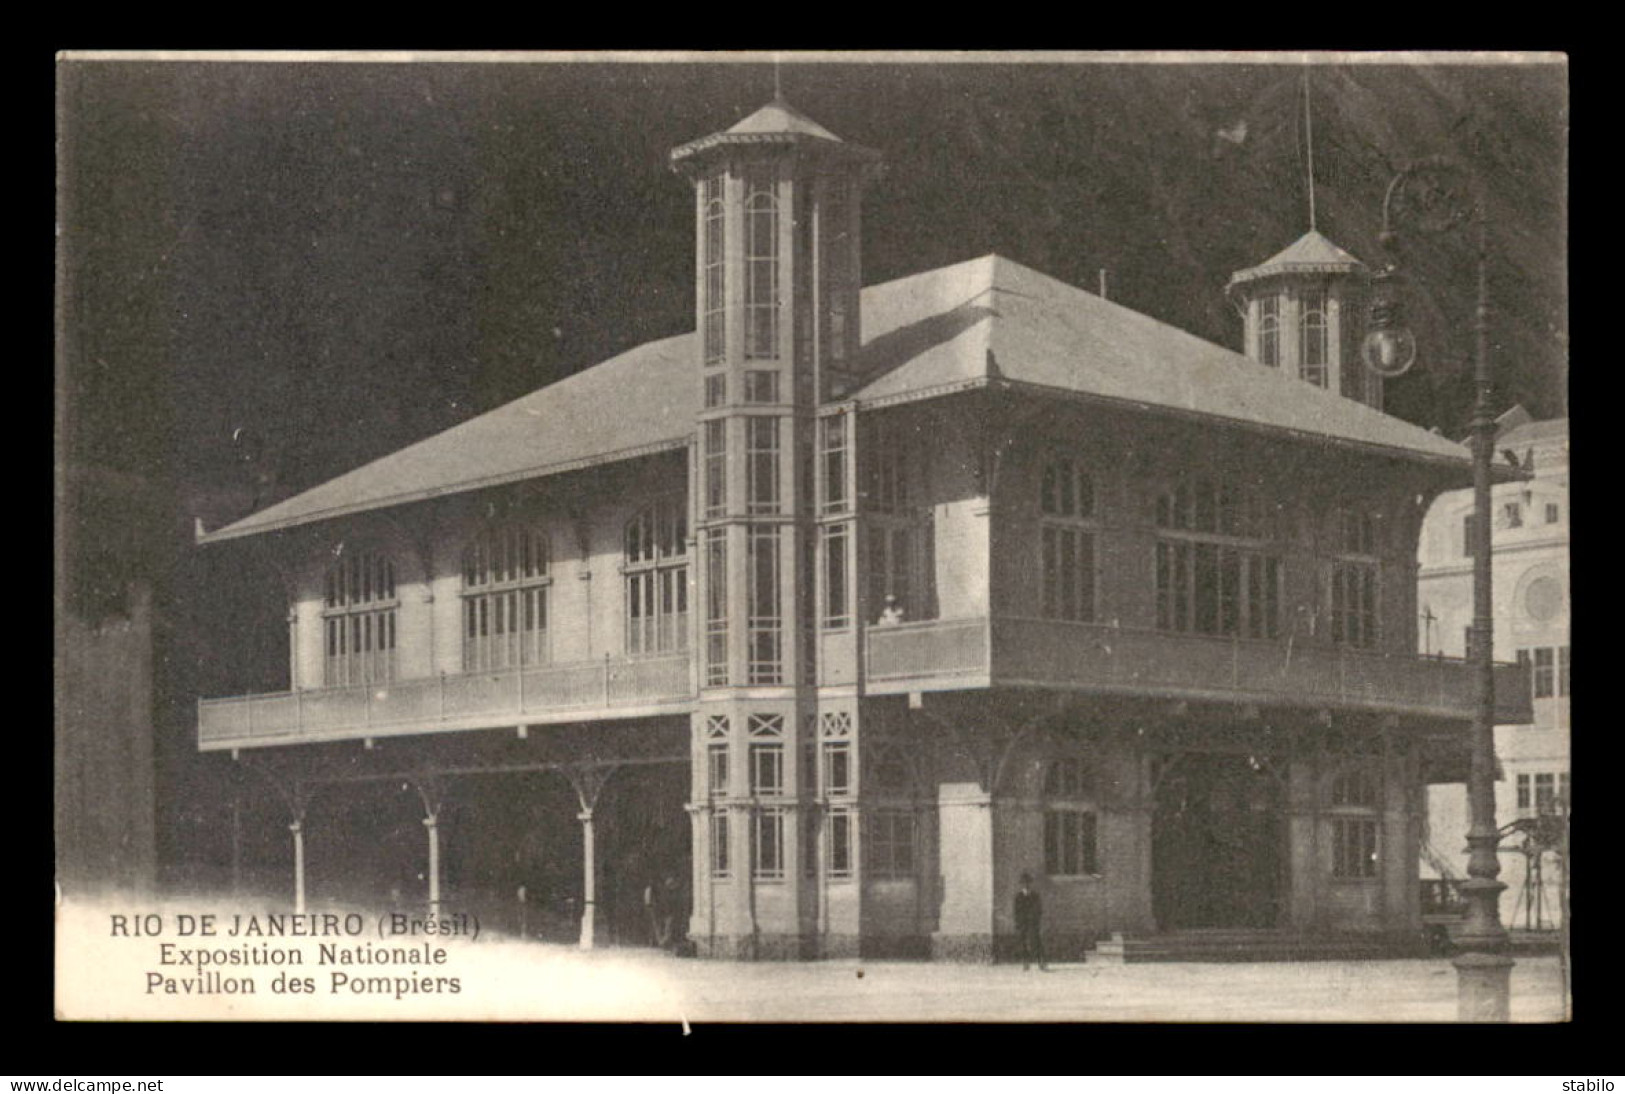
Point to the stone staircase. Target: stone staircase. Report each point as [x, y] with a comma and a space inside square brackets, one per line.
[1225, 944]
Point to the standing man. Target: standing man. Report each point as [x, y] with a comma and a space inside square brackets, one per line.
[1029, 916]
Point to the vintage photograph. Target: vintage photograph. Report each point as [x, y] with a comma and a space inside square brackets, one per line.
[734, 537]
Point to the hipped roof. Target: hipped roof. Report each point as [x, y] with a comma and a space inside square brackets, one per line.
[989, 321]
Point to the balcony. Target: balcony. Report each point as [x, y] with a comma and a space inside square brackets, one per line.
[968, 653]
[611, 688]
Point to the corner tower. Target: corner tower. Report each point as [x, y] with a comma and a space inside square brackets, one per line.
[1301, 312]
[776, 310]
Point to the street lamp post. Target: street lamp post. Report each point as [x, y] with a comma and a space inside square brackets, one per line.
[1437, 196]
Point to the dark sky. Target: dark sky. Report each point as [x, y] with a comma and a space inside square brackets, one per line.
[344, 258]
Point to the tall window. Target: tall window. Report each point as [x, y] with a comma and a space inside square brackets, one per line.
[1214, 571]
[719, 845]
[1067, 542]
[1312, 330]
[716, 467]
[761, 266]
[837, 609]
[765, 623]
[762, 465]
[712, 263]
[358, 616]
[832, 437]
[1353, 808]
[656, 569]
[505, 584]
[1354, 572]
[766, 743]
[1069, 820]
[898, 542]
[1545, 674]
[1269, 331]
[716, 607]
[837, 233]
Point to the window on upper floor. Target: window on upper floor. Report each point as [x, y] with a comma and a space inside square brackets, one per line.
[1553, 512]
[1548, 669]
[715, 467]
[1066, 555]
[1215, 571]
[1269, 330]
[899, 561]
[1543, 793]
[761, 264]
[359, 607]
[1511, 515]
[762, 465]
[505, 592]
[713, 265]
[1313, 356]
[1353, 594]
[656, 573]
[1467, 535]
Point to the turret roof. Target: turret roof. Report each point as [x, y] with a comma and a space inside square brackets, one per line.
[1313, 253]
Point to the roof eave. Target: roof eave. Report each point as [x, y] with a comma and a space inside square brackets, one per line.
[1461, 463]
[237, 529]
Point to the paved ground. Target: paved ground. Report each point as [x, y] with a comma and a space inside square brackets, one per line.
[107, 974]
[1388, 991]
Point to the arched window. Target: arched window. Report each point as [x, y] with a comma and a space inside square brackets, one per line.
[1312, 337]
[1353, 803]
[1067, 542]
[1215, 570]
[761, 266]
[656, 567]
[358, 616]
[712, 264]
[1269, 331]
[505, 583]
[1069, 819]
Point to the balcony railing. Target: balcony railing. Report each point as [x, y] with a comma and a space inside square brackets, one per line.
[624, 687]
[1107, 659]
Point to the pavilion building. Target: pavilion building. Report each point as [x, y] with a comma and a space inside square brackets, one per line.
[856, 603]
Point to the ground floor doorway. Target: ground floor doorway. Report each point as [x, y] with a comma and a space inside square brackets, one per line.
[1218, 843]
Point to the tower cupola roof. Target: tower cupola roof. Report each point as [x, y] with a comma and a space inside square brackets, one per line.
[1311, 254]
[777, 123]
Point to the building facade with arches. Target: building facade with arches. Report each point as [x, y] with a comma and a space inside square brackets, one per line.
[1530, 566]
[857, 603]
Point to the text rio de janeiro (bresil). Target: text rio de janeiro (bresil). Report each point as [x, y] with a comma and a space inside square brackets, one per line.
[197, 954]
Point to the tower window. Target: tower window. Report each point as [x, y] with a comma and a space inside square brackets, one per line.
[1312, 331]
[716, 607]
[1269, 331]
[761, 266]
[714, 304]
[716, 467]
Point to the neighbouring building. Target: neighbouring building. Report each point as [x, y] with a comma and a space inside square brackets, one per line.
[107, 635]
[856, 603]
[1530, 579]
